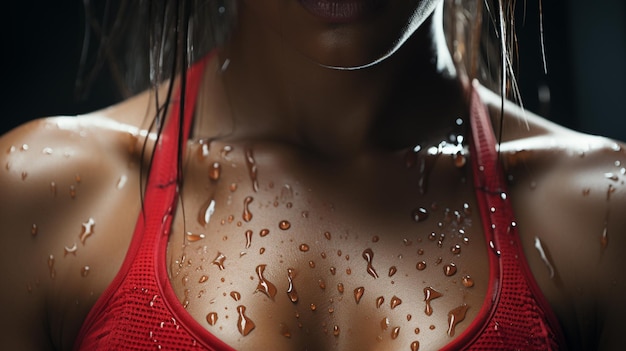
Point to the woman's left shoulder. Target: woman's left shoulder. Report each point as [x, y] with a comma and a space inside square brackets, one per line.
[568, 191]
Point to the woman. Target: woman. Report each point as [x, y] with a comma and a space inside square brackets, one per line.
[331, 194]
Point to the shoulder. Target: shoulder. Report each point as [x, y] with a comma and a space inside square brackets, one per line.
[62, 179]
[569, 196]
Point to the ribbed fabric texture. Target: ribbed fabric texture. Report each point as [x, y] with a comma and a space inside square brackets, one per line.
[139, 311]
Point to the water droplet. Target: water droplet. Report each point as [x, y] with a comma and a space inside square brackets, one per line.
[375, 239]
[247, 215]
[336, 330]
[395, 332]
[368, 255]
[417, 331]
[264, 232]
[384, 323]
[468, 282]
[415, 346]
[193, 237]
[34, 230]
[313, 307]
[358, 293]
[321, 284]
[544, 257]
[455, 316]
[24, 175]
[456, 249]
[85, 271]
[379, 301]
[395, 302]
[235, 295]
[284, 331]
[70, 250]
[449, 269]
[211, 318]
[604, 238]
[215, 170]
[392, 271]
[53, 188]
[225, 152]
[419, 214]
[219, 260]
[409, 317]
[586, 191]
[333, 270]
[155, 298]
[252, 169]
[327, 235]
[51, 269]
[459, 159]
[291, 290]
[348, 271]
[312, 264]
[244, 324]
[609, 191]
[421, 265]
[72, 191]
[304, 247]
[248, 238]
[24, 147]
[429, 295]
[206, 211]
[264, 285]
[284, 225]
[87, 230]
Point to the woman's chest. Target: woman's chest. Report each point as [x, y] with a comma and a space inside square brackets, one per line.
[288, 267]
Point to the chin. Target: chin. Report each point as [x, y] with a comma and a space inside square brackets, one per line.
[346, 34]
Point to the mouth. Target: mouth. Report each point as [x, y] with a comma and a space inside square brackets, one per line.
[341, 11]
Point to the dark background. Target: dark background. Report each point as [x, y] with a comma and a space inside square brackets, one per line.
[585, 47]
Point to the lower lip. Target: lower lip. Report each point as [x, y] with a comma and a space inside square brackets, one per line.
[341, 11]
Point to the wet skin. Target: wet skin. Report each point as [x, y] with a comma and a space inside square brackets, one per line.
[343, 190]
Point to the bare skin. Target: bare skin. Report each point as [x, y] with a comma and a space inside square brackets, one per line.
[323, 173]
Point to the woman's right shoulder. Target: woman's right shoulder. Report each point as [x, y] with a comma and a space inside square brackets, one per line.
[69, 198]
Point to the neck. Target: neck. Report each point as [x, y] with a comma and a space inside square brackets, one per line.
[276, 93]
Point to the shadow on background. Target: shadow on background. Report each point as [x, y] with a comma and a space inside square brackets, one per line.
[584, 88]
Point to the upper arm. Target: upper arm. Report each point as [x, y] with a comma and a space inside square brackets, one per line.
[58, 174]
[24, 259]
[576, 209]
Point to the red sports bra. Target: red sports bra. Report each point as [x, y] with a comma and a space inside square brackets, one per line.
[140, 311]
